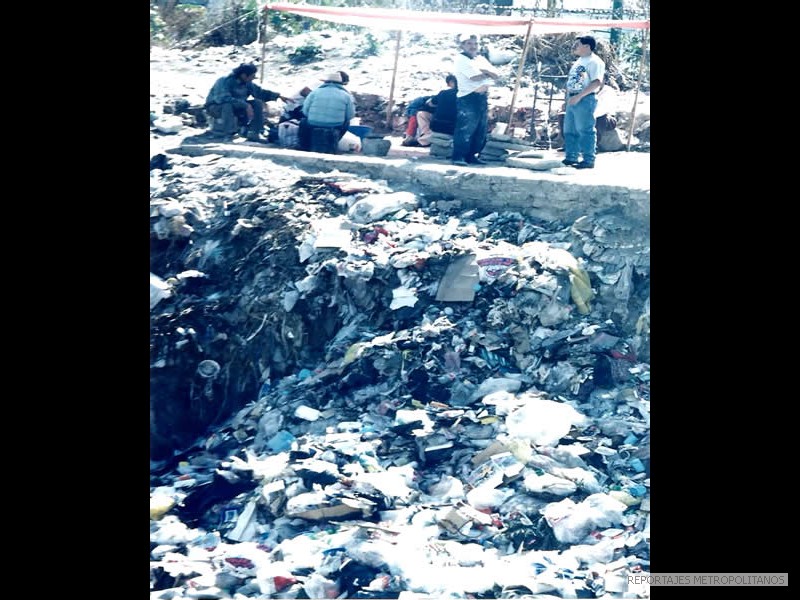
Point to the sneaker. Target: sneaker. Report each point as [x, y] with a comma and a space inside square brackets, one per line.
[569, 163]
[584, 165]
[409, 142]
[460, 163]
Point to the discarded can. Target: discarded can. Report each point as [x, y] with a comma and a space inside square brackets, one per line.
[208, 369]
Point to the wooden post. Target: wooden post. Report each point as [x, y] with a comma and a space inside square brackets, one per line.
[391, 89]
[638, 85]
[510, 130]
[264, 14]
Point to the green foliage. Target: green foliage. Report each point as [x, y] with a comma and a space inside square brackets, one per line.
[630, 56]
[307, 53]
[157, 27]
[237, 24]
[371, 47]
[185, 22]
[286, 23]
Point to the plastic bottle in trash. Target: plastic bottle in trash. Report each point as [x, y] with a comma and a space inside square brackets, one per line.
[281, 441]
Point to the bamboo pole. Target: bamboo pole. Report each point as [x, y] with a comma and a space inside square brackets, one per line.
[391, 89]
[638, 85]
[263, 43]
[510, 130]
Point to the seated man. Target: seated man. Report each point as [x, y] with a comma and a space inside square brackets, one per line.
[412, 111]
[328, 110]
[228, 103]
[443, 118]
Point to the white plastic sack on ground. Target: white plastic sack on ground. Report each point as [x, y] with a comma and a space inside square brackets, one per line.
[550, 484]
[572, 522]
[377, 206]
[544, 422]
[350, 142]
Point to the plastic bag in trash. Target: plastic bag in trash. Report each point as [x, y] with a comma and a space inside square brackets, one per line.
[572, 522]
[544, 422]
[580, 289]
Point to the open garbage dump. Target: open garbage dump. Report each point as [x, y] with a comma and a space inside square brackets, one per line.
[363, 392]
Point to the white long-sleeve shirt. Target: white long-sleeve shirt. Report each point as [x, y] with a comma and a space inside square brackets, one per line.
[465, 67]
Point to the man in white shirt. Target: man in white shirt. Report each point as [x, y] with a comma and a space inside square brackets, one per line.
[474, 74]
[585, 79]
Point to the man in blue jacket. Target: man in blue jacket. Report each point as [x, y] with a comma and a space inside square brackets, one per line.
[228, 103]
[328, 110]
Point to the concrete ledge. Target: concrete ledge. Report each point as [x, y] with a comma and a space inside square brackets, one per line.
[620, 182]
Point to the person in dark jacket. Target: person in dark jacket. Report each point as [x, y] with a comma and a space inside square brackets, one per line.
[444, 111]
[236, 103]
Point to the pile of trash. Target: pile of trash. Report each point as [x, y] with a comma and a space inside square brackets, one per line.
[361, 392]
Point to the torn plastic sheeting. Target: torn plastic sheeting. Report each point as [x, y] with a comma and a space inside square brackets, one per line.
[499, 469]
[159, 290]
[402, 296]
[554, 312]
[377, 206]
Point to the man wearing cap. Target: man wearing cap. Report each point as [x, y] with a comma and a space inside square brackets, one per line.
[585, 79]
[228, 103]
[473, 74]
[328, 110]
